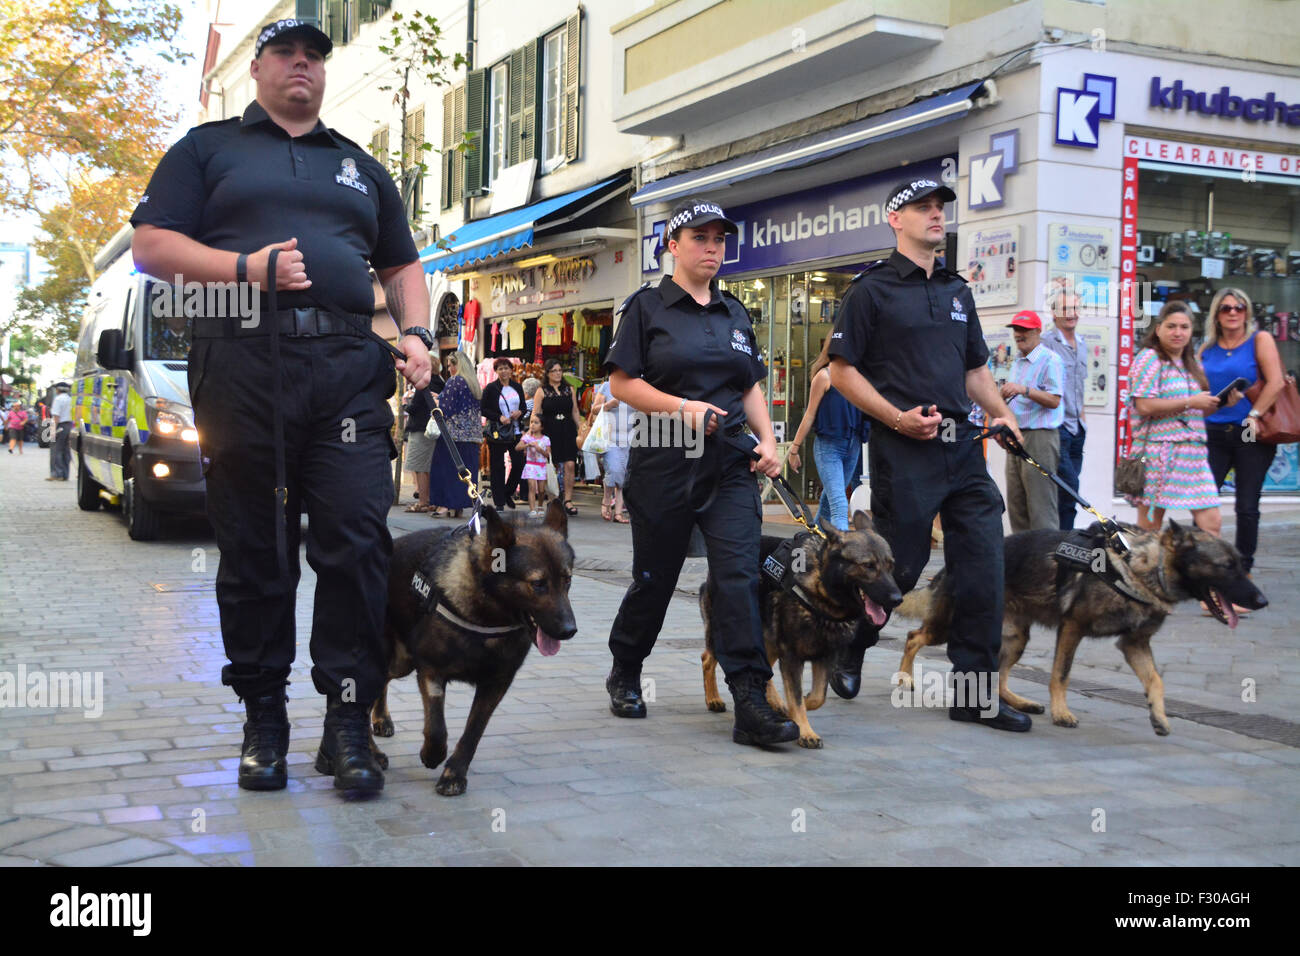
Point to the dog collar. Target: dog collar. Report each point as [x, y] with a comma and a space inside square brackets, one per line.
[459, 621]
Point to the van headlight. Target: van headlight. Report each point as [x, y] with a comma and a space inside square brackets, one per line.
[170, 419]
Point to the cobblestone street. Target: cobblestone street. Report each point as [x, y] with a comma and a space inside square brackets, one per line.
[558, 780]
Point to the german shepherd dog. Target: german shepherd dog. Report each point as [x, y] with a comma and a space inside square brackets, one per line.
[1174, 565]
[843, 578]
[498, 593]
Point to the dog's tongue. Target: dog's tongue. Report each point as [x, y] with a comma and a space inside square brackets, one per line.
[548, 645]
[874, 611]
[1230, 612]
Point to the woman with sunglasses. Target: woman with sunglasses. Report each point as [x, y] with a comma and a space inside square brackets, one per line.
[1235, 347]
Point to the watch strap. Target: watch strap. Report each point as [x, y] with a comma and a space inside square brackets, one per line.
[241, 268]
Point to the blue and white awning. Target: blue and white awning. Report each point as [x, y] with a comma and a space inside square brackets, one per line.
[497, 235]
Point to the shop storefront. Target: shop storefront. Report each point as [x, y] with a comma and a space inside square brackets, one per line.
[1133, 181]
[1206, 217]
[553, 305]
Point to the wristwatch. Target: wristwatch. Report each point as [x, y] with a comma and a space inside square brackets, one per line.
[421, 333]
[1254, 413]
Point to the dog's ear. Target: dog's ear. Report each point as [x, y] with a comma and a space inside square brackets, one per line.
[557, 519]
[499, 534]
[862, 521]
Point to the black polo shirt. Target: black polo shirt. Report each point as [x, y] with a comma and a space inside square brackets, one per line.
[912, 337]
[704, 353]
[243, 183]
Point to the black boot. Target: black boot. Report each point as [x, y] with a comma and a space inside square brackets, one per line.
[756, 721]
[624, 686]
[846, 675]
[266, 742]
[346, 749]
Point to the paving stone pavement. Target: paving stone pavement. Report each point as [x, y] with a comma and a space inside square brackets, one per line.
[557, 780]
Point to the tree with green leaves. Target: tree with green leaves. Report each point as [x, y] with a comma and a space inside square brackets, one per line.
[82, 124]
[413, 54]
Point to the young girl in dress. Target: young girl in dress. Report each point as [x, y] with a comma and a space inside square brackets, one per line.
[537, 450]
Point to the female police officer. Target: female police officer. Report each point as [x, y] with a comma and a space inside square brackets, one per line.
[682, 350]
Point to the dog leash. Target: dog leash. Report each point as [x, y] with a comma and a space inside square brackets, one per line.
[1007, 439]
[744, 444]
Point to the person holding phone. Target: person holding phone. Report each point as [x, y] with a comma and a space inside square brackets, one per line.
[1236, 350]
[1171, 398]
[909, 351]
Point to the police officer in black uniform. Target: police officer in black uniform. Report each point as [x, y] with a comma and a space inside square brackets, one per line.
[220, 203]
[908, 350]
[681, 350]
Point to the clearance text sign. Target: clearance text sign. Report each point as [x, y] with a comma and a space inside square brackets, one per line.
[1127, 288]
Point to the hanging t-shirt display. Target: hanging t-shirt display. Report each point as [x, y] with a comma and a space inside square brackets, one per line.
[550, 328]
[515, 335]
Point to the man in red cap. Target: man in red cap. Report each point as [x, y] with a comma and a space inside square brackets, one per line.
[1033, 393]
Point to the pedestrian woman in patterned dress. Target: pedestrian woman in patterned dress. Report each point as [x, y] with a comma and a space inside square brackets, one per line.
[1171, 398]
[459, 400]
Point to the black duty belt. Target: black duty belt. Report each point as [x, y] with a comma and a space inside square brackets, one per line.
[308, 322]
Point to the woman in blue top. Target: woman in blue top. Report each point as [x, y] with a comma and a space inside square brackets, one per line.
[1236, 348]
[840, 429]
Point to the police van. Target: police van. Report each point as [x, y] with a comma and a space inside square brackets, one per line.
[134, 442]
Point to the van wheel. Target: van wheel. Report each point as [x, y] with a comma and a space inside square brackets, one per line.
[141, 518]
[87, 488]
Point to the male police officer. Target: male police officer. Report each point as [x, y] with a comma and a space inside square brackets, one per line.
[227, 201]
[908, 350]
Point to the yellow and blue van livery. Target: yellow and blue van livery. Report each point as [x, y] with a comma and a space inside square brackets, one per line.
[135, 442]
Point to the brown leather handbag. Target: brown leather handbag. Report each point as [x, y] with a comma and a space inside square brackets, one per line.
[1280, 425]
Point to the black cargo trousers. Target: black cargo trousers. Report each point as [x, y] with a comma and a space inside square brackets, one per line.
[912, 481]
[666, 493]
[338, 449]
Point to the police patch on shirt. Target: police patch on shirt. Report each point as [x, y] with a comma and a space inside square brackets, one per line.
[348, 176]
[740, 342]
[958, 313]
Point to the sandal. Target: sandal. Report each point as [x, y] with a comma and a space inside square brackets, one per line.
[607, 510]
[418, 509]
[622, 518]
[569, 509]
[439, 513]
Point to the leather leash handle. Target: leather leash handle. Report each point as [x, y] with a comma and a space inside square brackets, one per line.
[793, 503]
[277, 420]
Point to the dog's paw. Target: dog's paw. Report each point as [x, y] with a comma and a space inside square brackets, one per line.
[716, 706]
[431, 757]
[1065, 719]
[383, 727]
[381, 758]
[902, 679]
[450, 784]
[810, 741]
[1160, 725]
[1027, 706]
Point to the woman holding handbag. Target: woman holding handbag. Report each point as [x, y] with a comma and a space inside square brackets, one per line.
[614, 457]
[1236, 348]
[1170, 397]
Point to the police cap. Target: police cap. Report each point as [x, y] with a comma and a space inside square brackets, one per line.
[291, 27]
[697, 212]
[914, 190]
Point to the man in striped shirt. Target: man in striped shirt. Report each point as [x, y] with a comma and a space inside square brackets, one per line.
[1033, 394]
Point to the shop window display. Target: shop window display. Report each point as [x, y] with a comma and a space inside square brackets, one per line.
[1198, 233]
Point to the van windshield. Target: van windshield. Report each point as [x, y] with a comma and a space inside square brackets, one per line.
[167, 336]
